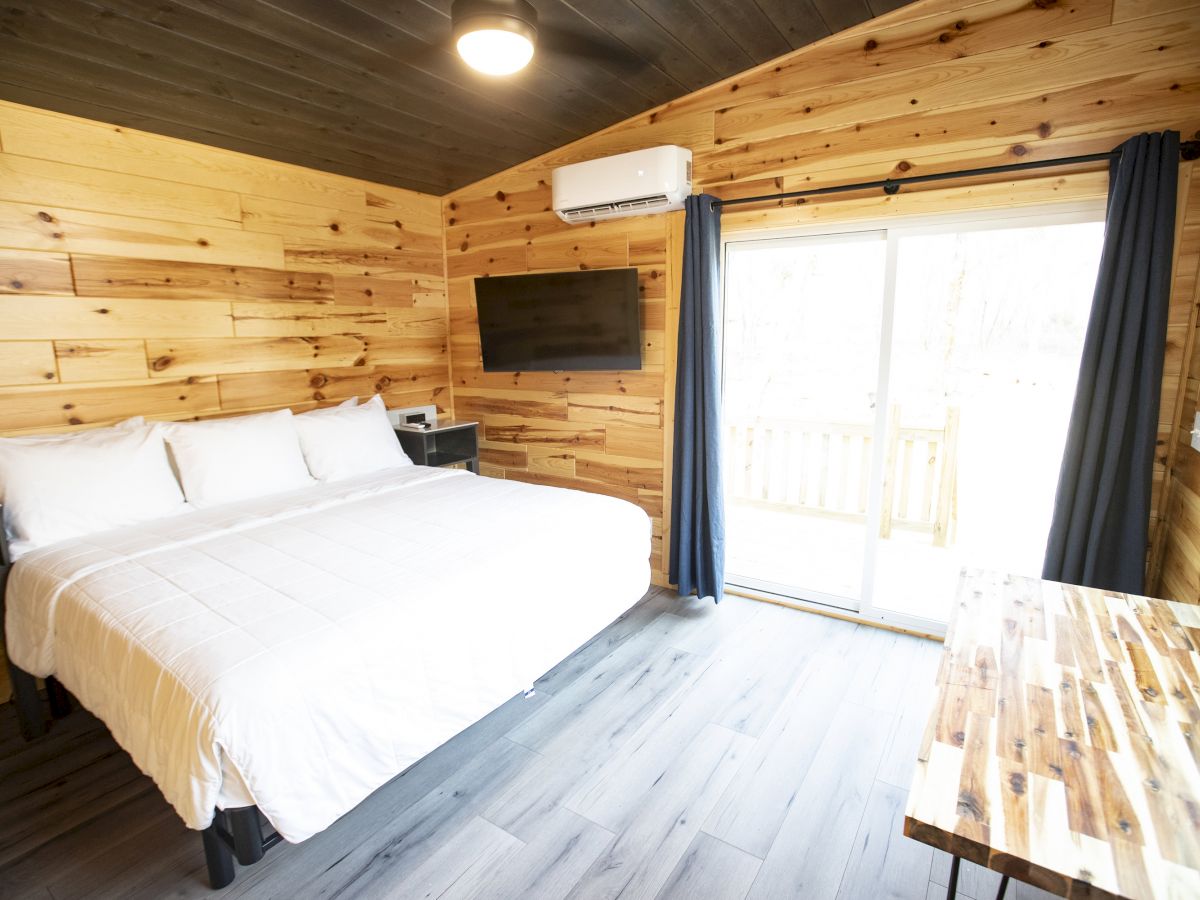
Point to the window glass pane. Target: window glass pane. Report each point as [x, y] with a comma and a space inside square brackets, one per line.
[987, 336]
[802, 325]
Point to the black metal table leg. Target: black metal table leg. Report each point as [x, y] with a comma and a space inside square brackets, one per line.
[1003, 887]
[952, 888]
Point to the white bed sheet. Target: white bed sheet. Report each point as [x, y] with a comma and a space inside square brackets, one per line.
[316, 643]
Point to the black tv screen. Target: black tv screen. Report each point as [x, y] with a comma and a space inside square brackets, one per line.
[575, 321]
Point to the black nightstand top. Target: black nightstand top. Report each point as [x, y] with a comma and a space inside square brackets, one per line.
[445, 425]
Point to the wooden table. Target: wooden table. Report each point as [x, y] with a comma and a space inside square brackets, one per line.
[1064, 744]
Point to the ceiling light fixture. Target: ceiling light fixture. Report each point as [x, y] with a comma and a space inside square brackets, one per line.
[495, 37]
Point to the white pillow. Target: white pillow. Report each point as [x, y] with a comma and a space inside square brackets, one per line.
[342, 442]
[345, 404]
[223, 460]
[53, 490]
[123, 427]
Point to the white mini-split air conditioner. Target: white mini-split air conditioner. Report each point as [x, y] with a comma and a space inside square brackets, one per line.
[629, 184]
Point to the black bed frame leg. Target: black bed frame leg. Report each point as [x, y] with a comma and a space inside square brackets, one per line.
[246, 829]
[218, 856]
[31, 715]
[60, 699]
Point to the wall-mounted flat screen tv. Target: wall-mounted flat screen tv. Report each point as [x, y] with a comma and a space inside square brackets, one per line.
[574, 321]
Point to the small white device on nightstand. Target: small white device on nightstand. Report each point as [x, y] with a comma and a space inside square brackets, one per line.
[413, 415]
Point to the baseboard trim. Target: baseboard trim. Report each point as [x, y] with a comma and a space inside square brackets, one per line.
[821, 610]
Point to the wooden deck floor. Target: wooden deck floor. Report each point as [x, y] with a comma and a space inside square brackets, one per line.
[740, 751]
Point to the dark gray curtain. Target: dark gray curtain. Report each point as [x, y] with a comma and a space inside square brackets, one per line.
[697, 502]
[1102, 508]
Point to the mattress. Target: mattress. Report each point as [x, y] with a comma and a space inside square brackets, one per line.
[297, 651]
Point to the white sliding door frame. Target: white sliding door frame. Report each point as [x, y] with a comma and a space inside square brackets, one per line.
[894, 230]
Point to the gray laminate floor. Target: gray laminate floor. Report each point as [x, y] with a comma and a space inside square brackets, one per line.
[739, 751]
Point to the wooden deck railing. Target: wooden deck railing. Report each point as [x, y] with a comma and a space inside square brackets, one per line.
[823, 468]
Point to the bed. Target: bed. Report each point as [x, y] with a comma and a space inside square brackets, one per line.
[293, 652]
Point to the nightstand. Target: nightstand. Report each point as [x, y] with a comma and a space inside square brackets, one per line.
[445, 444]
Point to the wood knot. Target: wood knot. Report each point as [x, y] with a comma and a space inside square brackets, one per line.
[870, 45]
[500, 196]
[202, 242]
[969, 805]
[16, 285]
[1044, 130]
[945, 37]
[45, 217]
[161, 363]
[334, 226]
[1019, 150]
[1016, 783]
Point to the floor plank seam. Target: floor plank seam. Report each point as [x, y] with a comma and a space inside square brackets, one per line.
[729, 843]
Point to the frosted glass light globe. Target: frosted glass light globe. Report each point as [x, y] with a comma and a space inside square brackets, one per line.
[495, 52]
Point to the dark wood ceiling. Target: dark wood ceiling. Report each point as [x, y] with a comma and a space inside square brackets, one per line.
[372, 88]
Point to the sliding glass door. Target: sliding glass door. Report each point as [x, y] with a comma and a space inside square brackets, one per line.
[895, 404]
[802, 329]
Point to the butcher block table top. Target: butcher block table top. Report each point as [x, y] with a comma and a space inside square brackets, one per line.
[1064, 744]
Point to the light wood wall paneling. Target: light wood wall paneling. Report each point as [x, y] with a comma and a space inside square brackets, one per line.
[60, 407]
[27, 362]
[113, 276]
[47, 317]
[938, 85]
[27, 272]
[40, 134]
[100, 360]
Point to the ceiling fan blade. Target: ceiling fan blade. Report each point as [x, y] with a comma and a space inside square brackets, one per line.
[613, 55]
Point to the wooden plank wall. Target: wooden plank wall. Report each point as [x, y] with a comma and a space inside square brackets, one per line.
[142, 275]
[934, 86]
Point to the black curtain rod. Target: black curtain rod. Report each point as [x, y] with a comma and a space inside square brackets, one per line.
[1188, 150]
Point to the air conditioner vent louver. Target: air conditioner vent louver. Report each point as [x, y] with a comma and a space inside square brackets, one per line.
[655, 202]
[629, 184]
[587, 212]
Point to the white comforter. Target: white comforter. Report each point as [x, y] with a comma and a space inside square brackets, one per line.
[318, 642]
